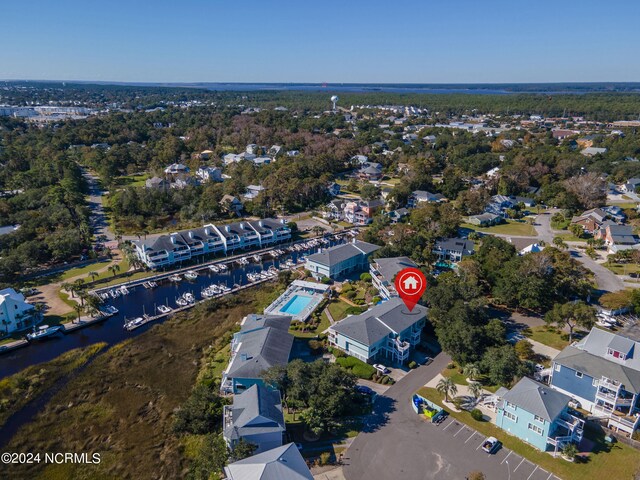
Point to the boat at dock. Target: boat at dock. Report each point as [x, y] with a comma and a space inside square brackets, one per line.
[110, 310]
[191, 275]
[175, 278]
[164, 309]
[124, 290]
[149, 284]
[223, 267]
[214, 268]
[135, 323]
[43, 331]
[257, 258]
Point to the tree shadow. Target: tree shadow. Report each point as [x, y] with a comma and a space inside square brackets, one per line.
[382, 409]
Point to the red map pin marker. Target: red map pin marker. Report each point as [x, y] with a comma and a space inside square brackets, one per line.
[410, 285]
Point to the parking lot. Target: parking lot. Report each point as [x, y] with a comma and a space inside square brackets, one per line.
[470, 442]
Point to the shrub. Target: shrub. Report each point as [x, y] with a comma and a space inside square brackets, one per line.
[358, 301]
[353, 311]
[338, 353]
[477, 415]
[385, 380]
[524, 349]
[326, 280]
[357, 367]
[315, 346]
[324, 458]
[350, 294]
[347, 287]
[362, 371]
[365, 277]
[412, 364]
[376, 299]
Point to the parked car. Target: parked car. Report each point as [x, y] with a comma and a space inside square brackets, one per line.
[381, 368]
[364, 390]
[491, 445]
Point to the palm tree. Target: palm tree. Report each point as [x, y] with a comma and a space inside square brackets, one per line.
[115, 268]
[93, 275]
[68, 287]
[446, 387]
[78, 308]
[475, 389]
[82, 296]
[472, 371]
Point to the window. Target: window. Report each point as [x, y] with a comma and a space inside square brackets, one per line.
[510, 405]
[510, 416]
[557, 367]
[538, 419]
[578, 374]
[535, 428]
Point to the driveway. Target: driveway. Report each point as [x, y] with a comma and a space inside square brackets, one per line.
[94, 201]
[398, 444]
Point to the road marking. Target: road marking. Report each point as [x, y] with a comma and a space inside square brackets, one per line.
[481, 443]
[452, 422]
[470, 437]
[519, 465]
[505, 458]
[461, 428]
[549, 476]
[534, 471]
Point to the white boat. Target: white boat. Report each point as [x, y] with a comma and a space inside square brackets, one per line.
[152, 284]
[164, 309]
[111, 310]
[175, 278]
[191, 275]
[131, 324]
[43, 331]
[182, 302]
[189, 297]
[223, 267]
[206, 293]
[257, 258]
[124, 290]
[214, 268]
[223, 288]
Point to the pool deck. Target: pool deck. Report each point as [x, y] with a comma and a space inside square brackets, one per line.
[300, 288]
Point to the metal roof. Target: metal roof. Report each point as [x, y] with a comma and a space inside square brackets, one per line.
[389, 267]
[260, 350]
[340, 253]
[256, 411]
[281, 463]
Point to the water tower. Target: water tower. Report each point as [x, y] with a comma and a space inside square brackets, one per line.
[334, 100]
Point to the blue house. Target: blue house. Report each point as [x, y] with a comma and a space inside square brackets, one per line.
[262, 342]
[601, 372]
[538, 415]
[386, 332]
[338, 261]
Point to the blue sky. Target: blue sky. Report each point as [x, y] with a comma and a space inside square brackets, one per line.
[398, 41]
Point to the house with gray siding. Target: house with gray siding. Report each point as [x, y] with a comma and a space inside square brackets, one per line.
[338, 261]
[602, 373]
[385, 332]
[383, 273]
[255, 417]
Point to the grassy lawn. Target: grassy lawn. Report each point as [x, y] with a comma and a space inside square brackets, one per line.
[74, 272]
[549, 336]
[622, 268]
[131, 180]
[337, 309]
[509, 228]
[623, 205]
[570, 237]
[617, 461]
[453, 374]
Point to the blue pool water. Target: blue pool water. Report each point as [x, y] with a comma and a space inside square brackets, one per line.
[296, 305]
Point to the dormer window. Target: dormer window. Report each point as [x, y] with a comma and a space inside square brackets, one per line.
[616, 354]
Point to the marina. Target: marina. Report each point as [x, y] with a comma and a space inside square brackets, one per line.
[138, 305]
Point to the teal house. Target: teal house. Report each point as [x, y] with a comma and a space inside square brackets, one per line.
[386, 332]
[538, 415]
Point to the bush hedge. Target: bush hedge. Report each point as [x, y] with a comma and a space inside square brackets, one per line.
[357, 367]
[476, 415]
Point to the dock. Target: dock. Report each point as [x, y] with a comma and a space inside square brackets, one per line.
[8, 347]
[83, 322]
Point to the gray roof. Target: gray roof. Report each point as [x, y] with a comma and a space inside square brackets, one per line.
[590, 356]
[455, 245]
[376, 323]
[537, 398]
[281, 463]
[256, 411]
[260, 350]
[255, 321]
[340, 253]
[424, 195]
[163, 242]
[389, 267]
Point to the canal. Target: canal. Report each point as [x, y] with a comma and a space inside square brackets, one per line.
[140, 301]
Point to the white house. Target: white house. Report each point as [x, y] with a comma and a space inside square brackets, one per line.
[15, 312]
[209, 174]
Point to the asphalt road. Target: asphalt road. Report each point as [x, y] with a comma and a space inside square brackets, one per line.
[399, 444]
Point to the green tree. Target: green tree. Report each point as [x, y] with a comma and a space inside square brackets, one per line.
[475, 388]
[447, 387]
[369, 192]
[571, 315]
[524, 349]
[501, 364]
[210, 459]
[241, 450]
[201, 413]
[472, 371]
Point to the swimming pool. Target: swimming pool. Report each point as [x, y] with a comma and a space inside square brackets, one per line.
[296, 305]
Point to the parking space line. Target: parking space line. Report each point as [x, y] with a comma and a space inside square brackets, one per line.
[481, 443]
[471, 436]
[461, 428]
[519, 464]
[549, 476]
[534, 471]
[505, 458]
[452, 422]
